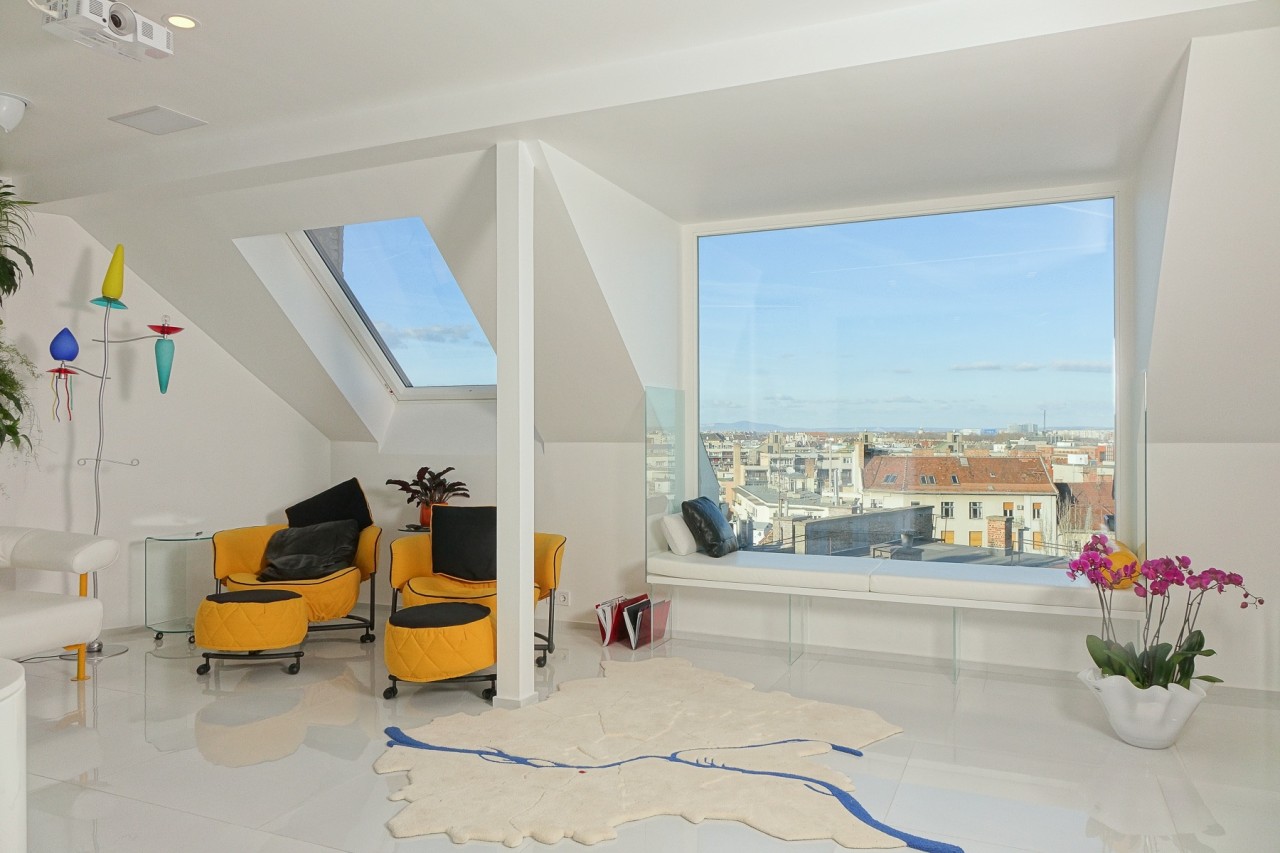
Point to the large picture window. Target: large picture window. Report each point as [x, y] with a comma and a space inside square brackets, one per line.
[868, 376]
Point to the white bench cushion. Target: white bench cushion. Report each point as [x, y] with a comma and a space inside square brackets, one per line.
[769, 568]
[953, 584]
[32, 622]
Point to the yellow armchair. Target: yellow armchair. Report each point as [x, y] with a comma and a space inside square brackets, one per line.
[239, 556]
[418, 579]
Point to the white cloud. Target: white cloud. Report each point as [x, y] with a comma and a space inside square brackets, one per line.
[1083, 366]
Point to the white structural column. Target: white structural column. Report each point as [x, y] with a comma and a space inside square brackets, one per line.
[515, 425]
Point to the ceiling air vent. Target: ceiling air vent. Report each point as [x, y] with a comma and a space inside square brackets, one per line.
[158, 120]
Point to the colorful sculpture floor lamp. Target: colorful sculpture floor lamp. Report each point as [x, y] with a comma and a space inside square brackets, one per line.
[65, 348]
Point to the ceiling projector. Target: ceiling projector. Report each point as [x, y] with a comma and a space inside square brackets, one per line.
[108, 27]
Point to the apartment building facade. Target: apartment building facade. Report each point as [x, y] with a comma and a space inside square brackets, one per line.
[981, 501]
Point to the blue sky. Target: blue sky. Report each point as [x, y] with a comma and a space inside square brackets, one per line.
[974, 319]
[402, 281]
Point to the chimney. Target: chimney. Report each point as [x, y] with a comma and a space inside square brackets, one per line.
[855, 476]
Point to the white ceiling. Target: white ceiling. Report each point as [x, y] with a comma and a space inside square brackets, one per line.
[709, 111]
[715, 109]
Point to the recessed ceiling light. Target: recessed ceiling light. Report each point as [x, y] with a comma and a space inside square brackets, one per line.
[182, 22]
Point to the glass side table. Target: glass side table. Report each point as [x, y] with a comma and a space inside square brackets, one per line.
[172, 567]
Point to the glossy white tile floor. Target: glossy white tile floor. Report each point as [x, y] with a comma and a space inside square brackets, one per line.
[252, 759]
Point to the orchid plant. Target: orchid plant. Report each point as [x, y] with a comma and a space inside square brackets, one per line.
[1160, 662]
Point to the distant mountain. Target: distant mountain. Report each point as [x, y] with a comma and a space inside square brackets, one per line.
[741, 426]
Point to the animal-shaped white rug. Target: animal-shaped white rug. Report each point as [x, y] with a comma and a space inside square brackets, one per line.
[650, 738]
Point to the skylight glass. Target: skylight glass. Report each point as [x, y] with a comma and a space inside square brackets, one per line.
[399, 284]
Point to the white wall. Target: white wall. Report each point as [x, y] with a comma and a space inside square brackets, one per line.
[218, 450]
[1233, 537]
[593, 493]
[364, 461]
[1214, 403]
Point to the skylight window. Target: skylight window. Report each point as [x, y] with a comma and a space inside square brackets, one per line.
[409, 303]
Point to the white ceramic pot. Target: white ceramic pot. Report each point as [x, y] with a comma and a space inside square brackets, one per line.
[1151, 718]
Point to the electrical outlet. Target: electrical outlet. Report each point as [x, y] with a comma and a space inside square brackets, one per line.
[562, 598]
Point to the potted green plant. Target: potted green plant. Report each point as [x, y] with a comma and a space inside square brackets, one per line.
[13, 233]
[429, 488]
[15, 368]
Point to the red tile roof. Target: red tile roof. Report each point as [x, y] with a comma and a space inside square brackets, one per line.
[988, 474]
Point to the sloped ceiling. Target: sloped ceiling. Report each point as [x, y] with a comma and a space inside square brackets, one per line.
[184, 246]
[587, 388]
[1220, 253]
[321, 112]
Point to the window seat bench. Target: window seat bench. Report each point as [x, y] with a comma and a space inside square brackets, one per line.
[959, 586]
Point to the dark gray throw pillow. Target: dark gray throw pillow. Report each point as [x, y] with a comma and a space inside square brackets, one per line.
[464, 542]
[305, 553]
[345, 500]
[709, 527]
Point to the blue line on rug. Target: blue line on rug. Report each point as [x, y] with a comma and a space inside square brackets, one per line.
[847, 800]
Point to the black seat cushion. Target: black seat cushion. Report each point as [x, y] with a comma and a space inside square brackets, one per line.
[345, 500]
[709, 527]
[464, 542]
[304, 553]
[254, 596]
[438, 615]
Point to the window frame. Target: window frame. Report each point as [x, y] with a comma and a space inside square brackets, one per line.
[947, 509]
[1128, 442]
[357, 322]
[975, 510]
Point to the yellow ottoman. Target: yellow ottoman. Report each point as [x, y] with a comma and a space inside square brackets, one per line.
[246, 623]
[440, 643]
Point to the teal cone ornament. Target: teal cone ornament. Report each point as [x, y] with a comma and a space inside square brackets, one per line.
[164, 351]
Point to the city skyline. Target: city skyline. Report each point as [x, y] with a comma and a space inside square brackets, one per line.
[968, 429]
[976, 319]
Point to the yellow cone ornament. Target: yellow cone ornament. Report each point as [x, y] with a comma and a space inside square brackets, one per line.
[113, 283]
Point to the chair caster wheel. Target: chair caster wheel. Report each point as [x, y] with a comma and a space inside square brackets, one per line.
[203, 669]
[541, 660]
[366, 638]
[488, 693]
[191, 638]
[390, 692]
[293, 668]
[159, 636]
